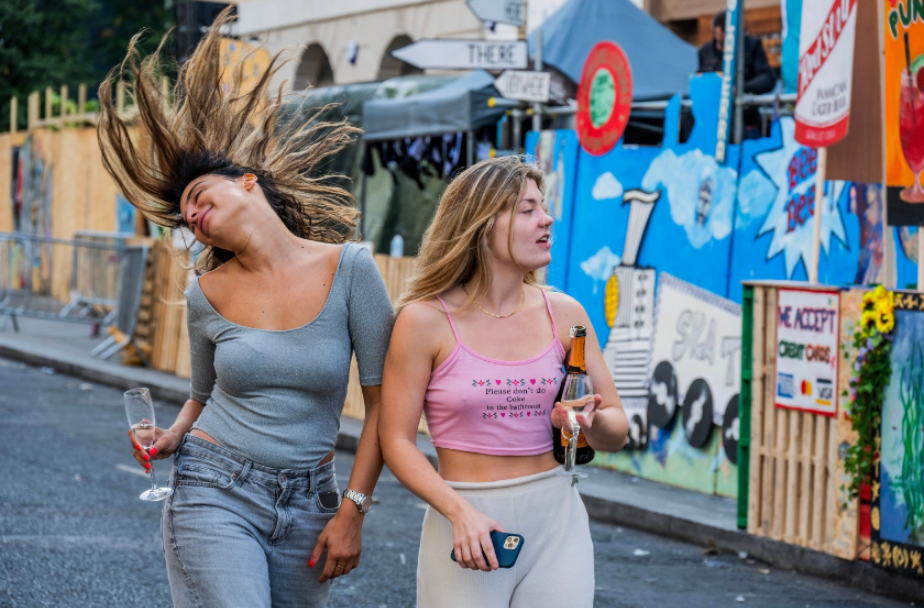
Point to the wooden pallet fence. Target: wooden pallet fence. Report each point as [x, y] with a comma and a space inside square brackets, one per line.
[795, 468]
[395, 272]
[167, 316]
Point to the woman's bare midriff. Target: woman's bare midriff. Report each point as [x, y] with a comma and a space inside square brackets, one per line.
[209, 438]
[456, 465]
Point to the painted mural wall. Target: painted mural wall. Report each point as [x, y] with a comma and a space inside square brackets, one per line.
[898, 484]
[655, 241]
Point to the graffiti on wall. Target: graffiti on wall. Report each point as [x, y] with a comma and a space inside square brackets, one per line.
[697, 354]
[658, 242]
[30, 264]
[897, 517]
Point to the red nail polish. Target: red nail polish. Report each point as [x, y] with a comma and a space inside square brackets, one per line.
[146, 457]
[152, 451]
[311, 563]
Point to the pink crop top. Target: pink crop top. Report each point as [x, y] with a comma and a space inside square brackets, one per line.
[500, 408]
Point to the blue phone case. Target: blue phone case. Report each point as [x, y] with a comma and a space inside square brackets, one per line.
[507, 547]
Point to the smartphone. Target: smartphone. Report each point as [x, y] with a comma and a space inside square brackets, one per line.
[506, 547]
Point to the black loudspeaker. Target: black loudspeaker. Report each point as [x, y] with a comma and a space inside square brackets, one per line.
[193, 19]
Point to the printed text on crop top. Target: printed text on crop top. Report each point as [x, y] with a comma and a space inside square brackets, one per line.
[499, 408]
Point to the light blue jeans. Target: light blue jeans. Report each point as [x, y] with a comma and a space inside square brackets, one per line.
[239, 534]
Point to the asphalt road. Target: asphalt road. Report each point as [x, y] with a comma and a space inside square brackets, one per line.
[73, 533]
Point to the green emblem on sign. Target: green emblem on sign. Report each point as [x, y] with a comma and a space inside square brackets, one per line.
[602, 97]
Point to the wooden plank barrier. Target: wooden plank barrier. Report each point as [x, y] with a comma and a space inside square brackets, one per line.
[795, 466]
[395, 272]
[162, 317]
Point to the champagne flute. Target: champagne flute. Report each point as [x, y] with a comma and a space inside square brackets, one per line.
[140, 411]
[577, 394]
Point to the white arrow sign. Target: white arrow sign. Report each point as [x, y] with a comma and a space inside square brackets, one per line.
[524, 86]
[465, 54]
[499, 11]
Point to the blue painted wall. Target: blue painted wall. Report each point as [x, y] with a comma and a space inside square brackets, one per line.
[711, 226]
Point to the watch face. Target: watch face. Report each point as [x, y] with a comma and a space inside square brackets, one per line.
[367, 504]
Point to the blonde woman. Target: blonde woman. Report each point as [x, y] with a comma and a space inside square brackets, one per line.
[477, 340]
[280, 304]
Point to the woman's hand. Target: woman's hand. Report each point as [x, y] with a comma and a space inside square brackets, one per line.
[166, 443]
[585, 418]
[343, 539]
[471, 540]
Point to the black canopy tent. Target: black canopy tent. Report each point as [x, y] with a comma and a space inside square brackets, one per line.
[461, 105]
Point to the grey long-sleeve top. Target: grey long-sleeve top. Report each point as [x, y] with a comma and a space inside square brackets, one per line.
[276, 397]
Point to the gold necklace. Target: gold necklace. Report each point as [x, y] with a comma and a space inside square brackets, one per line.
[487, 312]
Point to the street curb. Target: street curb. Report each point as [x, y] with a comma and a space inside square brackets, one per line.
[99, 376]
[857, 574]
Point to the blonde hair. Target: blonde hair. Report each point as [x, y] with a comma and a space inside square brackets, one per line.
[199, 130]
[455, 245]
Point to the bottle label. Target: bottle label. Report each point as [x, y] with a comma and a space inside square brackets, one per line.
[566, 435]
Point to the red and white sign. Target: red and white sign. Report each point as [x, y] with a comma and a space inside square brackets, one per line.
[604, 98]
[825, 71]
[807, 331]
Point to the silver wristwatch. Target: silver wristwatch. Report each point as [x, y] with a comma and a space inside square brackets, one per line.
[363, 502]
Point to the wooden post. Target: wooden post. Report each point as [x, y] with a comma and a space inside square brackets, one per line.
[14, 114]
[819, 206]
[81, 98]
[32, 109]
[63, 113]
[49, 103]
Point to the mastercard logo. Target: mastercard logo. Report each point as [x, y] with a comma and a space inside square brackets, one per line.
[806, 387]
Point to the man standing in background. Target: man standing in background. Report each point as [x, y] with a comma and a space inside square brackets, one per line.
[759, 77]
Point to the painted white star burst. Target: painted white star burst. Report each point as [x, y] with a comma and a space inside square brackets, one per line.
[796, 243]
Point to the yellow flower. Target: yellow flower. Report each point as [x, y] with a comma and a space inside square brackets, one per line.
[868, 319]
[885, 323]
[884, 306]
[880, 292]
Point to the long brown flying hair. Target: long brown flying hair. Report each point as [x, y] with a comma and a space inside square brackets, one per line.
[456, 243]
[197, 129]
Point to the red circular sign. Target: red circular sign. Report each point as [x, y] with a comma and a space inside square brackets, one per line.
[604, 98]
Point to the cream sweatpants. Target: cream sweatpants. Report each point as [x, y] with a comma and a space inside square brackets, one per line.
[555, 567]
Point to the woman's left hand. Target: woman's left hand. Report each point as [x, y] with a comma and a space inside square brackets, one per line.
[342, 538]
[585, 418]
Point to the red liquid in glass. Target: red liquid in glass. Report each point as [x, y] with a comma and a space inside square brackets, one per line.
[911, 124]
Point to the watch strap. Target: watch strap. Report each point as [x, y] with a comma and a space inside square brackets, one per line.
[363, 503]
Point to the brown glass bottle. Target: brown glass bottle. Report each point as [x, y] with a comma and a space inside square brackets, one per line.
[575, 365]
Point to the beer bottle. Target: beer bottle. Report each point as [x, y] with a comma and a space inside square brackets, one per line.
[575, 376]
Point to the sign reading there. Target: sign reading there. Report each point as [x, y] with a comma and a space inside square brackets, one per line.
[524, 86]
[465, 54]
[604, 98]
[807, 330]
[499, 11]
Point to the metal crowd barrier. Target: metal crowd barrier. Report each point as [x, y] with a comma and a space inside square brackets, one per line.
[95, 278]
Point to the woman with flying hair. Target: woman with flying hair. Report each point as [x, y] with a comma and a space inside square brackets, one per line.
[280, 303]
[474, 322]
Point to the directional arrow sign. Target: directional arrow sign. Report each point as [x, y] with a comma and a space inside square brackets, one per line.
[525, 86]
[499, 11]
[465, 54]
